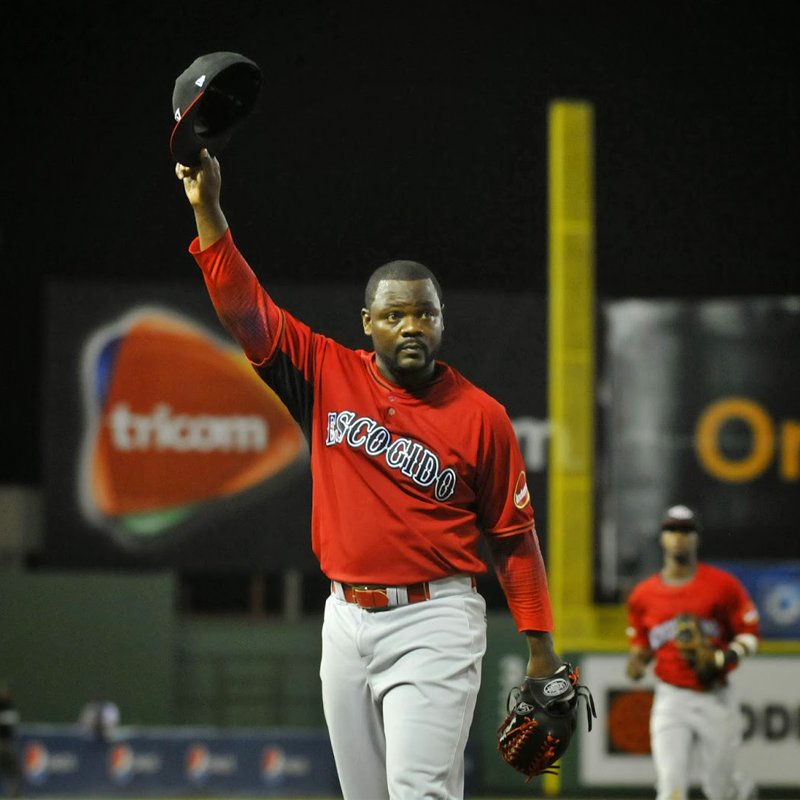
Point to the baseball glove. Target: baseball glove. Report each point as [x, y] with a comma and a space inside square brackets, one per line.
[695, 647]
[541, 720]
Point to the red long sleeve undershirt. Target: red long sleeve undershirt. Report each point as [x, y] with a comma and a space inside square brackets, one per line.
[242, 304]
[520, 569]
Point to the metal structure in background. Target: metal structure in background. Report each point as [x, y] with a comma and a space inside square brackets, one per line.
[700, 401]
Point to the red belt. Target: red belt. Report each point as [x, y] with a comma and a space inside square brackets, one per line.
[373, 597]
[378, 596]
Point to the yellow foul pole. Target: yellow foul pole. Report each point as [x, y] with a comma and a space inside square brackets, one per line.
[571, 373]
[571, 366]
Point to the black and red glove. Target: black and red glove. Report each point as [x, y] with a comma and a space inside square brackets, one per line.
[542, 717]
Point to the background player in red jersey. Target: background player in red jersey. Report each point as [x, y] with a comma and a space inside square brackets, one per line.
[411, 465]
[694, 710]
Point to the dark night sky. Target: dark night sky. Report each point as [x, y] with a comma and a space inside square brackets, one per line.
[397, 130]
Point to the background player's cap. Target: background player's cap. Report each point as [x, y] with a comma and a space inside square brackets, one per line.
[212, 97]
[680, 518]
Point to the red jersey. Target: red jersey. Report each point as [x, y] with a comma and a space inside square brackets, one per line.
[404, 481]
[716, 597]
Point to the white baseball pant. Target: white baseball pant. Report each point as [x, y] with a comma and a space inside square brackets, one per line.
[702, 728]
[399, 688]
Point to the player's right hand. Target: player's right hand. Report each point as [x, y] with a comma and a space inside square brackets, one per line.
[638, 660]
[201, 183]
[634, 671]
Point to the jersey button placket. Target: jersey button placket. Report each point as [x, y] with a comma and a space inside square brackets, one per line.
[391, 410]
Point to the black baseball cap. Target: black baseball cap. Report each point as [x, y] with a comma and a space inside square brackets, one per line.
[212, 97]
[680, 518]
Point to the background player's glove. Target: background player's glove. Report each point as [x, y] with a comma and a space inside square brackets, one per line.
[696, 647]
[542, 717]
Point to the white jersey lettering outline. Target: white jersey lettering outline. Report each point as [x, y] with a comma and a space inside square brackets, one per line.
[410, 458]
[665, 632]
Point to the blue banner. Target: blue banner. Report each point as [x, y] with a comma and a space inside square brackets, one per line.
[177, 761]
[160, 762]
[775, 589]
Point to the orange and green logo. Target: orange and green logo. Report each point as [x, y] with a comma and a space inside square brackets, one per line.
[175, 420]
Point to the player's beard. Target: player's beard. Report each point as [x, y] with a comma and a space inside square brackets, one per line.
[411, 366]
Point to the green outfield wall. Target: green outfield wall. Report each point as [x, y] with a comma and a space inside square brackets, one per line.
[65, 636]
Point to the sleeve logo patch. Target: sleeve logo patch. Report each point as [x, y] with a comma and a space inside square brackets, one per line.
[521, 495]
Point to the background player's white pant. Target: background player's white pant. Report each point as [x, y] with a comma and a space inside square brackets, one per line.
[706, 727]
[399, 688]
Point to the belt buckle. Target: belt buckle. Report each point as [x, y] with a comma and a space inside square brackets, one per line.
[366, 597]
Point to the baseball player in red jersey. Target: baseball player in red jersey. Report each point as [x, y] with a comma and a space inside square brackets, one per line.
[411, 465]
[695, 713]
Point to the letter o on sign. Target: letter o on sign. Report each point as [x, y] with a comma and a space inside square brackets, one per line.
[707, 439]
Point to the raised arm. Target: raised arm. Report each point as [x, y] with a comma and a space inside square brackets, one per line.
[202, 185]
[241, 302]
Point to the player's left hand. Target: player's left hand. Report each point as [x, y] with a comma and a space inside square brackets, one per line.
[541, 722]
[696, 647]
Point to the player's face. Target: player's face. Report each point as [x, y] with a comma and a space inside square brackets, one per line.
[679, 545]
[405, 322]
